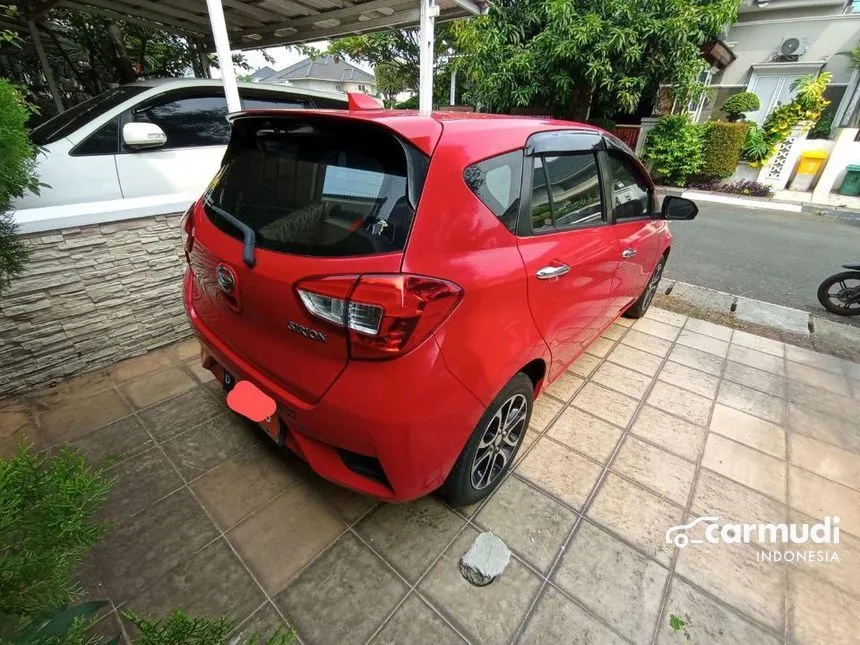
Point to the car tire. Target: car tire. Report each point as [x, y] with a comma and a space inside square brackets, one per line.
[638, 308]
[493, 445]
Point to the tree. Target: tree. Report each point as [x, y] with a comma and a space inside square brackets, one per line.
[589, 55]
[390, 81]
[397, 52]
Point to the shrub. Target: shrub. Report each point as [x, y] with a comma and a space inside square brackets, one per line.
[755, 148]
[822, 127]
[181, 629]
[17, 175]
[740, 187]
[674, 148]
[722, 151]
[738, 104]
[47, 508]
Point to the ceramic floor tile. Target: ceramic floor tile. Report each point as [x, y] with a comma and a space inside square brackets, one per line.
[765, 406]
[718, 496]
[635, 359]
[199, 450]
[79, 417]
[180, 413]
[697, 359]
[586, 434]
[615, 332]
[825, 460]
[487, 614]
[666, 316]
[732, 573]
[543, 411]
[657, 328]
[744, 465]
[761, 380]
[556, 619]
[560, 471]
[824, 427]
[600, 347]
[814, 359]
[836, 383]
[532, 524]
[707, 621]
[758, 343]
[410, 536]
[358, 589]
[844, 574]
[756, 359]
[17, 424]
[584, 365]
[621, 379]
[276, 547]
[114, 442]
[139, 365]
[565, 386]
[685, 404]
[686, 377]
[157, 386]
[606, 404]
[241, 484]
[703, 343]
[818, 497]
[660, 471]
[614, 581]
[819, 613]
[706, 328]
[824, 401]
[139, 482]
[647, 343]
[416, 623]
[747, 429]
[636, 515]
[671, 433]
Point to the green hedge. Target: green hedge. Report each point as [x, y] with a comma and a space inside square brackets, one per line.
[723, 143]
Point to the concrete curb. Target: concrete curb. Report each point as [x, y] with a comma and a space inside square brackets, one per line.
[764, 203]
[783, 319]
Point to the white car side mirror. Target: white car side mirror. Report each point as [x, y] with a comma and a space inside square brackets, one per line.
[143, 135]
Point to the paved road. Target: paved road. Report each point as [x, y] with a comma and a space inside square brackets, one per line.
[768, 255]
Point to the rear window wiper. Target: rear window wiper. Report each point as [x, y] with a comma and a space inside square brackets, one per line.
[250, 239]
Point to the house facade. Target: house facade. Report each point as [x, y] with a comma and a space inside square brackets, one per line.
[774, 42]
[325, 73]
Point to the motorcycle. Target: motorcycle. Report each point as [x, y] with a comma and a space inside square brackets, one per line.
[840, 293]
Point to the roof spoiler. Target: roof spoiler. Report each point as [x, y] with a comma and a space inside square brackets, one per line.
[358, 101]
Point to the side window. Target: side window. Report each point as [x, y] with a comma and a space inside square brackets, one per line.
[565, 192]
[193, 121]
[103, 141]
[496, 182]
[631, 197]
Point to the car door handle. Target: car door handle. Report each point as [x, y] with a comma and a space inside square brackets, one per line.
[552, 271]
[628, 253]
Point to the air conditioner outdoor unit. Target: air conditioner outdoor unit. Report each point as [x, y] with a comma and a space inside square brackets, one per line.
[791, 48]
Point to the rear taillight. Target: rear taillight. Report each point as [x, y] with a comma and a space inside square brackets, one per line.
[186, 227]
[383, 315]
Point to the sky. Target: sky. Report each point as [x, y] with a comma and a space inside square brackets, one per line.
[284, 56]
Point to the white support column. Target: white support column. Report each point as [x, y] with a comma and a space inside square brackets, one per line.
[222, 48]
[46, 68]
[453, 96]
[426, 46]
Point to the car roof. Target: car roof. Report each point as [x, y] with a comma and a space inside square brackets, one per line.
[508, 131]
[179, 83]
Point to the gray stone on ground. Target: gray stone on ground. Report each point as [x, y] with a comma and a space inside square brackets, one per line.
[485, 560]
[835, 333]
[702, 297]
[770, 315]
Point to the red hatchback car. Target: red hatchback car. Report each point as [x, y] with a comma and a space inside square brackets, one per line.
[398, 288]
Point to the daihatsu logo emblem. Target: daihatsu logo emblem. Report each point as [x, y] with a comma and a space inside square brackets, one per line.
[226, 279]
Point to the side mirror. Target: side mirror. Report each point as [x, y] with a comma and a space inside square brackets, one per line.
[678, 208]
[143, 135]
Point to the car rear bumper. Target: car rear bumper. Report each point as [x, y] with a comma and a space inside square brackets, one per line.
[390, 429]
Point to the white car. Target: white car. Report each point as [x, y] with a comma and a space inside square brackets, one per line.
[148, 138]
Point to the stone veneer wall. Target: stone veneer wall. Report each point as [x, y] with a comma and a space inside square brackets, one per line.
[89, 297]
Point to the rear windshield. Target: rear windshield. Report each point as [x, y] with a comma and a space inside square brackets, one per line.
[316, 187]
[75, 117]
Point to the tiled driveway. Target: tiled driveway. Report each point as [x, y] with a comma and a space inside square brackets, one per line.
[671, 419]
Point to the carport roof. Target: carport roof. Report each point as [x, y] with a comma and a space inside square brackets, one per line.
[263, 23]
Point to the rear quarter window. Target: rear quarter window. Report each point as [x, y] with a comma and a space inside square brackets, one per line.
[316, 187]
[496, 182]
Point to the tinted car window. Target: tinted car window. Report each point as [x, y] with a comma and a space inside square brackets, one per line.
[630, 191]
[496, 182]
[314, 188]
[103, 141]
[566, 192]
[75, 117]
[193, 121]
[272, 102]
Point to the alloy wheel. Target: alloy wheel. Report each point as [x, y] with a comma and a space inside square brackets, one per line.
[499, 441]
[651, 290]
